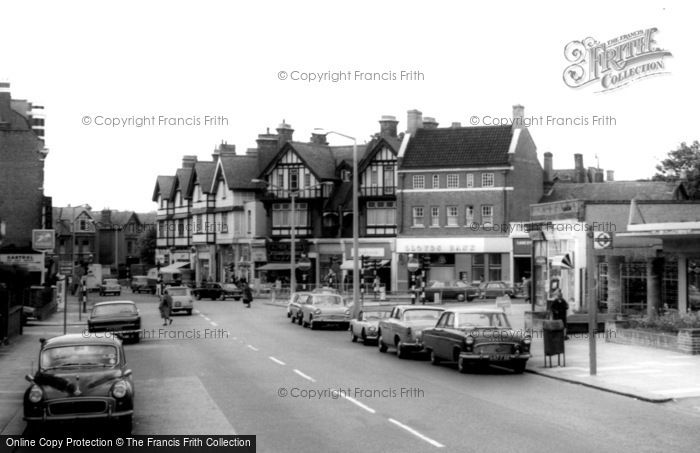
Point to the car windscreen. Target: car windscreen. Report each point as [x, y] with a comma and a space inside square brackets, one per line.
[327, 299]
[421, 315]
[114, 309]
[111, 282]
[178, 291]
[230, 287]
[89, 355]
[472, 320]
[368, 315]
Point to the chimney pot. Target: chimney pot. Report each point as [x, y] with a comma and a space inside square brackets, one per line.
[548, 167]
[578, 166]
[611, 175]
[318, 139]
[456, 124]
[518, 116]
[387, 126]
[430, 123]
[189, 161]
[285, 133]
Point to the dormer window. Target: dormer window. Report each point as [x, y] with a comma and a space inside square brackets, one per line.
[345, 175]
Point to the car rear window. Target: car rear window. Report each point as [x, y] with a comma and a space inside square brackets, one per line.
[367, 315]
[178, 291]
[79, 356]
[421, 315]
[114, 309]
[327, 299]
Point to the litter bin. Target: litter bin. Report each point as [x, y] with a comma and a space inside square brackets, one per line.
[553, 332]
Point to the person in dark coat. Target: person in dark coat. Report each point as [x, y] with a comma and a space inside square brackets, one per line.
[165, 309]
[559, 308]
[247, 294]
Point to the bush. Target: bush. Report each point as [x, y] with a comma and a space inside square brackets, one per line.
[669, 322]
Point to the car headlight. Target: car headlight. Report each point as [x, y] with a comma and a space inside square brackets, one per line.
[372, 329]
[469, 340]
[527, 340]
[119, 389]
[347, 312]
[419, 335]
[317, 311]
[35, 394]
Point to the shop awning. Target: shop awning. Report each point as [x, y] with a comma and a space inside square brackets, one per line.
[175, 267]
[348, 264]
[563, 261]
[275, 267]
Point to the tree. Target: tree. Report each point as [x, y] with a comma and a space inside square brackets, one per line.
[147, 246]
[682, 163]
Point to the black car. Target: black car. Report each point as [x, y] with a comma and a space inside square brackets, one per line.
[120, 317]
[219, 291]
[143, 284]
[80, 378]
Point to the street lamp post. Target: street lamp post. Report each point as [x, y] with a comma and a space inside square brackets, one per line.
[357, 303]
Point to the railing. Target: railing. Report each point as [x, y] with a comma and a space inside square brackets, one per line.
[378, 191]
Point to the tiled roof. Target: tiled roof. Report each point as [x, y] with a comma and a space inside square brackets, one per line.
[564, 175]
[204, 172]
[459, 146]
[374, 144]
[164, 187]
[615, 191]
[341, 196]
[146, 218]
[239, 171]
[319, 158]
[184, 180]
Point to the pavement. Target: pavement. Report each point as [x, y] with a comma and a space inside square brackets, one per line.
[647, 374]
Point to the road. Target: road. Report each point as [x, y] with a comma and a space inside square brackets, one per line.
[228, 369]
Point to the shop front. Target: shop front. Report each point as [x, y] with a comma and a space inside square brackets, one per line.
[381, 269]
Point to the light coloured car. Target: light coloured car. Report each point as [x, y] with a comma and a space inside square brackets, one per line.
[110, 286]
[404, 327]
[294, 306]
[366, 325]
[180, 298]
[324, 309]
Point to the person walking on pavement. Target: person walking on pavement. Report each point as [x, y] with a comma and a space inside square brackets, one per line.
[165, 309]
[559, 308]
[247, 294]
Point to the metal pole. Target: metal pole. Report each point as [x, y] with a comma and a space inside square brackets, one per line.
[355, 234]
[592, 308]
[293, 249]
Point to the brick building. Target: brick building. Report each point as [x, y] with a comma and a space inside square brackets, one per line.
[459, 190]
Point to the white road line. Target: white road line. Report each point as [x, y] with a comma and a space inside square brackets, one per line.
[277, 361]
[207, 318]
[355, 402]
[213, 323]
[416, 433]
[250, 346]
[308, 378]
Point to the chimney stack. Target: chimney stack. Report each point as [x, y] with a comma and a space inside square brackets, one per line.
[518, 116]
[598, 176]
[415, 121]
[106, 217]
[268, 145]
[387, 126]
[548, 168]
[285, 133]
[226, 150]
[611, 175]
[189, 161]
[580, 172]
[456, 124]
[5, 103]
[318, 139]
[430, 123]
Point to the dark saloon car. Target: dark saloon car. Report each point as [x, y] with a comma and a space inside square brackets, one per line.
[457, 290]
[80, 378]
[491, 290]
[120, 317]
[219, 291]
[143, 284]
[476, 336]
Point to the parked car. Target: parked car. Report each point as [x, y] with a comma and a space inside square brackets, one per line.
[366, 325]
[495, 289]
[325, 290]
[80, 378]
[143, 284]
[404, 326]
[294, 305]
[180, 298]
[215, 291]
[457, 289]
[324, 309]
[476, 336]
[110, 286]
[120, 317]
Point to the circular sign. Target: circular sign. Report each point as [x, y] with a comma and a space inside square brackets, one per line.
[412, 265]
[304, 264]
[603, 240]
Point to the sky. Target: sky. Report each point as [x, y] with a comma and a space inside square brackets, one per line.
[89, 62]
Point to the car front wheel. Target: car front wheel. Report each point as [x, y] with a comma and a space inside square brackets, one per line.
[222, 296]
[400, 350]
[382, 346]
[353, 337]
[434, 359]
[460, 297]
[462, 366]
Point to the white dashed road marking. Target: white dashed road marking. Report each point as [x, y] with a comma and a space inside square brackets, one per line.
[277, 361]
[416, 433]
[250, 346]
[213, 323]
[355, 402]
[308, 378]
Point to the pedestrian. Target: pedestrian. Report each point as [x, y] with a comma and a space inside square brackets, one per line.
[165, 308]
[559, 308]
[247, 294]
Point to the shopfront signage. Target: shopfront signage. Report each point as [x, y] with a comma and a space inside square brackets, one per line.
[30, 262]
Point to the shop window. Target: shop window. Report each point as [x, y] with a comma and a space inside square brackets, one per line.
[669, 286]
[634, 288]
[478, 266]
[694, 284]
[494, 266]
[603, 282]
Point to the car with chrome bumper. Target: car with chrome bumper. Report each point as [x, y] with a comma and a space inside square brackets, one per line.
[324, 309]
[119, 317]
[294, 305]
[110, 286]
[475, 337]
[366, 325]
[80, 378]
[457, 290]
[404, 326]
[180, 299]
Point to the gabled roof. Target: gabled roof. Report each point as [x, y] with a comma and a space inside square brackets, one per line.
[204, 174]
[373, 147]
[184, 178]
[146, 218]
[63, 217]
[322, 160]
[616, 191]
[164, 187]
[239, 171]
[458, 147]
